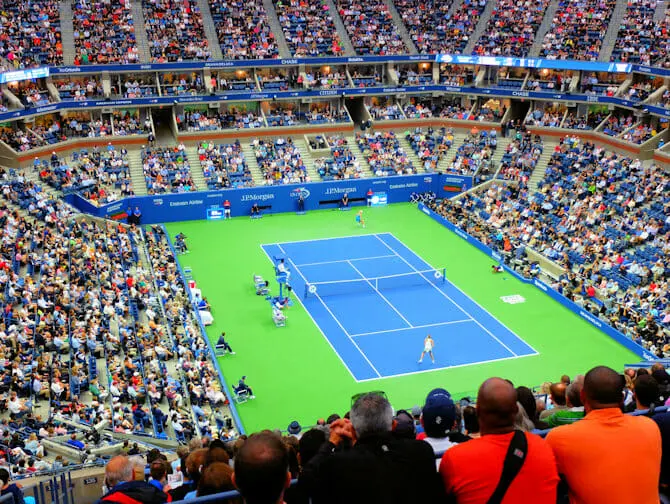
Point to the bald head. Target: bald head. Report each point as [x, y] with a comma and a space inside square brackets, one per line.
[558, 393]
[496, 406]
[118, 470]
[603, 388]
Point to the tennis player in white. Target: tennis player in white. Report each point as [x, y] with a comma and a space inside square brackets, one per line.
[428, 344]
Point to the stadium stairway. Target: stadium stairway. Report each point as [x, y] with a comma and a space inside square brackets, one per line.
[411, 154]
[341, 30]
[275, 27]
[252, 163]
[540, 168]
[500, 151]
[196, 168]
[481, 26]
[366, 169]
[618, 15]
[136, 172]
[141, 39]
[659, 13]
[402, 30]
[67, 31]
[459, 137]
[307, 158]
[544, 28]
[210, 30]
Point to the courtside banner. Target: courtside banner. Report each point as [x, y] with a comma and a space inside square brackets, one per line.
[591, 318]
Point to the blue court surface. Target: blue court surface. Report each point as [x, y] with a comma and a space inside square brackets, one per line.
[375, 300]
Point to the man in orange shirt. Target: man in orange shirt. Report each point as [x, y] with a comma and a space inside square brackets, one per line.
[471, 471]
[589, 453]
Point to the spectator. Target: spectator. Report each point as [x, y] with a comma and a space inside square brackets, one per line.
[244, 29]
[262, 469]
[124, 488]
[471, 470]
[378, 467]
[216, 478]
[647, 393]
[574, 410]
[557, 400]
[587, 450]
[438, 419]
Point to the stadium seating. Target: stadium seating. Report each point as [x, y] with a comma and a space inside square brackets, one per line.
[309, 28]
[370, 27]
[104, 32]
[384, 154]
[224, 166]
[280, 161]
[167, 170]
[244, 30]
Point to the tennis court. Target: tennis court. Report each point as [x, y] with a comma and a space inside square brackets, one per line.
[375, 300]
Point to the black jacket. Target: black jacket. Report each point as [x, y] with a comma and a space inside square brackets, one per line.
[134, 492]
[380, 469]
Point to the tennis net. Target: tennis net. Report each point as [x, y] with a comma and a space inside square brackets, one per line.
[400, 281]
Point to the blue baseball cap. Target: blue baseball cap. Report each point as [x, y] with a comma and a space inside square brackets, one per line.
[439, 413]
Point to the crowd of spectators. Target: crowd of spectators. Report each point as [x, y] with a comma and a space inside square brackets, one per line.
[426, 22]
[521, 157]
[616, 124]
[202, 121]
[224, 166]
[31, 34]
[341, 164]
[177, 85]
[592, 85]
[512, 27]
[584, 122]
[456, 75]
[375, 452]
[640, 91]
[20, 140]
[473, 156]
[244, 29]
[370, 27]
[602, 217]
[386, 112]
[455, 31]
[103, 32]
[167, 169]
[362, 79]
[136, 87]
[640, 133]
[319, 80]
[430, 145]
[79, 89]
[33, 93]
[130, 123]
[548, 118]
[384, 154]
[309, 28]
[635, 41]
[578, 30]
[280, 161]
[101, 175]
[410, 77]
[240, 81]
[175, 30]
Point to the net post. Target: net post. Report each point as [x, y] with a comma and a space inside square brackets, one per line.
[304, 296]
[444, 275]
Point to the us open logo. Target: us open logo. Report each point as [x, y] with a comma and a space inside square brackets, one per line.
[300, 191]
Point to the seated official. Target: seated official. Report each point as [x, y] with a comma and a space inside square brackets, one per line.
[344, 202]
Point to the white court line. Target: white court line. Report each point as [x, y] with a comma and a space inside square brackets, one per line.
[454, 302]
[381, 295]
[321, 239]
[438, 324]
[344, 362]
[445, 368]
[468, 297]
[332, 315]
[344, 260]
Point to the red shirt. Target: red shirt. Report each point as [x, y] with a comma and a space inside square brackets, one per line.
[471, 471]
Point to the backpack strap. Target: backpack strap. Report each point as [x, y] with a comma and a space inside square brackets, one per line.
[516, 456]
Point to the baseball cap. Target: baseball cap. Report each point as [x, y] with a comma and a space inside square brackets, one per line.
[294, 428]
[439, 413]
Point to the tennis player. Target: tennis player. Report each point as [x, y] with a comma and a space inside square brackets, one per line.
[428, 344]
[359, 218]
